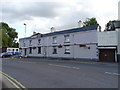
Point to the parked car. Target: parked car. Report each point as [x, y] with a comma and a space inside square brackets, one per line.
[6, 54]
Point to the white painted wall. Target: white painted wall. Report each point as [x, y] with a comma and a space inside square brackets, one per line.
[87, 37]
[108, 38]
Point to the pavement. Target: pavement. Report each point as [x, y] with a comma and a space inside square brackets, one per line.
[52, 73]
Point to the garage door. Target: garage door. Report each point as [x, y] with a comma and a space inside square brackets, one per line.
[107, 55]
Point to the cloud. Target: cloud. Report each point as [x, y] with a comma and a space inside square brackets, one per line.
[26, 10]
[40, 15]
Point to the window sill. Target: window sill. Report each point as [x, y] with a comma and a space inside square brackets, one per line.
[54, 43]
[66, 42]
[54, 53]
[66, 53]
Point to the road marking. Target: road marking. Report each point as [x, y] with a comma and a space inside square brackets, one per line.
[63, 66]
[112, 73]
[13, 81]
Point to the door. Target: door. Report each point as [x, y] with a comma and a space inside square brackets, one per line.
[107, 55]
[25, 51]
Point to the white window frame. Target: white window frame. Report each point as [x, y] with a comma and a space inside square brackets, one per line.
[67, 38]
[30, 42]
[67, 49]
[54, 40]
[54, 49]
[39, 52]
[39, 41]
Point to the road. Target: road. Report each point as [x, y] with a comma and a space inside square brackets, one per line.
[43, 73]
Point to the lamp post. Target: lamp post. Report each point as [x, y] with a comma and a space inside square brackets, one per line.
[25, 29]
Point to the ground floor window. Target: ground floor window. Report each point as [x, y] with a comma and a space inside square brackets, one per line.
[39, 50]
[54, 50]
[67, 49]
[30, 50]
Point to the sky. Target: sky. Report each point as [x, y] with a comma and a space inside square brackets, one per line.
[41, 15]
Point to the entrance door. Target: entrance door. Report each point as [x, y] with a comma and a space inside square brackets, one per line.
[107, 55]
[25, 51]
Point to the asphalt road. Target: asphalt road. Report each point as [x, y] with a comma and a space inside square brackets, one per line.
[42, 73]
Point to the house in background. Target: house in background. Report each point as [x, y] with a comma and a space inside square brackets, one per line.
[76, 43]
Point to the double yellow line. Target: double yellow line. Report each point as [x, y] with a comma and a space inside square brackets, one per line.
[13, 81]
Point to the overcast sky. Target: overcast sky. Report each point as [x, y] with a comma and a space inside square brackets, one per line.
[41, 15]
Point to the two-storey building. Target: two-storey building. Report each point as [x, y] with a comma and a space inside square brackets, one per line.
[76, 43]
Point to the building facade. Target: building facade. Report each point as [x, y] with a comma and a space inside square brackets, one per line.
[107, 44]
[76, 43]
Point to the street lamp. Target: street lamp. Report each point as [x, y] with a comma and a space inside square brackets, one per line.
[25, 29]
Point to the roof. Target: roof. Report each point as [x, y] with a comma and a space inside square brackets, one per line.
[88, 28]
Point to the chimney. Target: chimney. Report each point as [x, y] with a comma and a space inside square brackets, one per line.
[34, 33]
[80, 24]
[53, 29]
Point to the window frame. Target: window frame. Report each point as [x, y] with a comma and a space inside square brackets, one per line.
[30, 42]
[30, 50]
[54, 40]
[67, 50]
[66, 38]
[39, 41]
[54, 50]
[39, 50]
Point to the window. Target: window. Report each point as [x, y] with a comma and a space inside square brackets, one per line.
[24, 44]
[67, 49]
[39, 50]
[54, 40]
[16, 49]
[39, 40]
[54, 50]
[30, 50]
[13, 50]
[67, 38]
[30, 42]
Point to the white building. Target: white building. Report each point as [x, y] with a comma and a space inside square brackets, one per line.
[76, 43]
[107, 42]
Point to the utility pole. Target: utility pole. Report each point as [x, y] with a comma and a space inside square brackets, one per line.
[25, 29]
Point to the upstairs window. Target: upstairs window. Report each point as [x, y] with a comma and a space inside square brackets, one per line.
[30, 42]
[54, 40]
[67, 38]
[24, 44]
[67, 49]
[39, 41]
[54, 50]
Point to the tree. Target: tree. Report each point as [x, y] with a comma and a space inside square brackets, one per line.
[9, 35]
[90, 21]
[111, 25]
